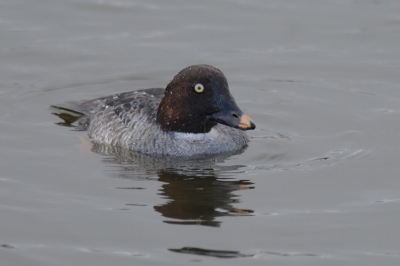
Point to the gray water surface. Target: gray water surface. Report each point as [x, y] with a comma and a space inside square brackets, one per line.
[317, 185]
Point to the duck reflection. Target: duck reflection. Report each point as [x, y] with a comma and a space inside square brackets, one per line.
[197, 191]
[196, 200]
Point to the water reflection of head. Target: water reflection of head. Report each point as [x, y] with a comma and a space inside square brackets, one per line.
[199, 200]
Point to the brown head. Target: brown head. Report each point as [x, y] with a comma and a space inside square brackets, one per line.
[197, 99]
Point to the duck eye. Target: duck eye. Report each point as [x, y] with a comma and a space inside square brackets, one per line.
[199, 87]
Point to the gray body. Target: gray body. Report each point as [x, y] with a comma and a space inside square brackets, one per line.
[129, 121]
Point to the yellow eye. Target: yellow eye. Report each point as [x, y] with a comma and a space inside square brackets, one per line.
[199, 87]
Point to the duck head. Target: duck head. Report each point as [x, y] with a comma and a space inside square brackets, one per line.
[197, 99]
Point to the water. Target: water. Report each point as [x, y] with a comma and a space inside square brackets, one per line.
[317, 185]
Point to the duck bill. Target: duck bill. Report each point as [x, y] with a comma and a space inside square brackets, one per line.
[232, 116]
[246, 123]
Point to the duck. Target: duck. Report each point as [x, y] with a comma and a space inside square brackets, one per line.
[194, 116]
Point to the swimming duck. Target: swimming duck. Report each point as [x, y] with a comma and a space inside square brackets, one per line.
[194, 116]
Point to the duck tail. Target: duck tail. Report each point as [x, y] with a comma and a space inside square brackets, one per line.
[79, 112]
